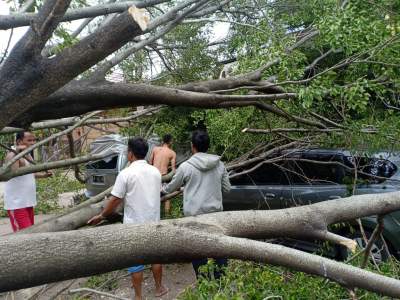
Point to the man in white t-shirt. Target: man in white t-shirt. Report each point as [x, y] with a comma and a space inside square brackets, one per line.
[138, 187]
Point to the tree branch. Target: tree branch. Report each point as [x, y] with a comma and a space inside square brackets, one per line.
[50, 165]
[7, 47]
[6, 167]
[71, 62]
[280, 112]
[27, 5]
[305, 130]
[220, 20]
[101, 71]
[210, 10]
[302, 130]
[73, 120]
[326, 120]
[72, 218]
[375, 234]
[71, 146]
[19, 19]
[262, 156]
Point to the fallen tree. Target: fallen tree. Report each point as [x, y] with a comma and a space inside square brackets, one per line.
[73, 254]
[40, 81]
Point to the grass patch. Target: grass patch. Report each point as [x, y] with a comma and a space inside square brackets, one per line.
[176, 210]
[248, 280]
[105, 282]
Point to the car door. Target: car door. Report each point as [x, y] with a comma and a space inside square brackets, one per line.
[313, 177]
[258, 189]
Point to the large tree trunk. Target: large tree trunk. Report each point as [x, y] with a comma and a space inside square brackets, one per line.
[80, 97]
[66, 255]
[28, 77]
[24, 19]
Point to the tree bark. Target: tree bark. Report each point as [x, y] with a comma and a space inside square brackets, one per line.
[66, 255]
[51, 165]
[28, 78]
[25, 19]
[71, 145]
[304, 130]
[73, 218]
[80, 97]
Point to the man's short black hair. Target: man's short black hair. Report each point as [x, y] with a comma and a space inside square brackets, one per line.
[19, 135]
[138, 147]
[200, 140]
[167, 138]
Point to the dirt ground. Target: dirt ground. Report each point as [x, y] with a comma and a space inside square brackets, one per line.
[176, 278]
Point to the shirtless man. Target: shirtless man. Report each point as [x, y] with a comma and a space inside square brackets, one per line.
[162, 157]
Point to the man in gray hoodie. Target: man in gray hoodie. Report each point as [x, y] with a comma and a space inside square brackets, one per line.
[204, 178]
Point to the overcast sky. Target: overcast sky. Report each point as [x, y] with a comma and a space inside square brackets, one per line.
[5, 34]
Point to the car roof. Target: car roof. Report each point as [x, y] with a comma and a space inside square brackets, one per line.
[381, 154]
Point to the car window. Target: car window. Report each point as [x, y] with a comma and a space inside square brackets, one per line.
[266, 174]
[371, 170]
[300, 168]
[312, 168]
[102, 164]
[315, 169]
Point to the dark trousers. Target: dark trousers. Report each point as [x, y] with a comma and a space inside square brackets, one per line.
[220, 264]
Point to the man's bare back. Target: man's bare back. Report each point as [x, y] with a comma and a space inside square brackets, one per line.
[162, 157]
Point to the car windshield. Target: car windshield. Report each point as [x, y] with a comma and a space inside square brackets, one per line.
[316, 168]
[299, 169]
[104, 165]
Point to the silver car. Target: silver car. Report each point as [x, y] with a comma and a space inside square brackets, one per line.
[101, 174]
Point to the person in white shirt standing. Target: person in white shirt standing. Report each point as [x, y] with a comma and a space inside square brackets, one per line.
[20, 192]
[138, 187]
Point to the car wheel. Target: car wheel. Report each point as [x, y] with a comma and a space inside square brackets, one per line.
[378, 250]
